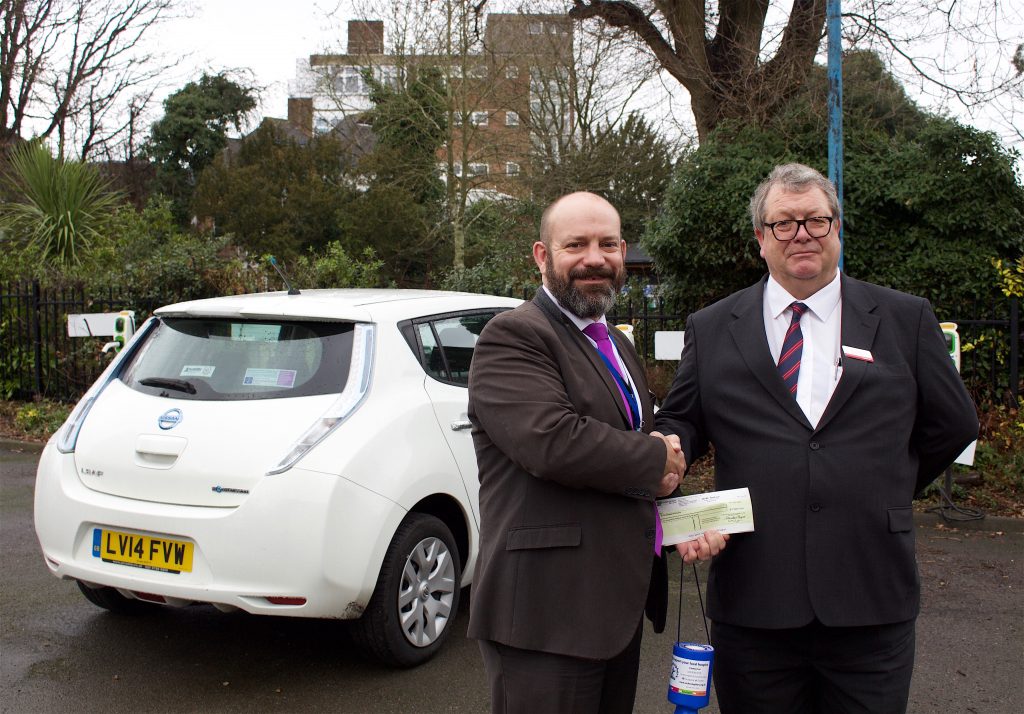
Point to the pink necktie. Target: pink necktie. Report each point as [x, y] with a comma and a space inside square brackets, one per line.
[598, 332]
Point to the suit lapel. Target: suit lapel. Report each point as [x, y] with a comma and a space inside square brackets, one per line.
[859, 325]
[747, 330]
[571, 335]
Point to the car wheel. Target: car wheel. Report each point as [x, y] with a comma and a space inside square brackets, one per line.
[111, 599]
[416, 597]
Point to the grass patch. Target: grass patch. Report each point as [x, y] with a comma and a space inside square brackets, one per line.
[32, 421]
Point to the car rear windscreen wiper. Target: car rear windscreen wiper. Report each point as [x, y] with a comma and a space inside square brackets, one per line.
[179, 384]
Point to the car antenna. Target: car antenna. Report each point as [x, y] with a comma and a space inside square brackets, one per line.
[291, 290]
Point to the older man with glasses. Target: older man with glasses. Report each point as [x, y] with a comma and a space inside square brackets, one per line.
[834, 402]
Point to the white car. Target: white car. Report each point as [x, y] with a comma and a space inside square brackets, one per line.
[300, 455]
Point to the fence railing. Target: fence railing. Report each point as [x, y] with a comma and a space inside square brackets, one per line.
[39, 359]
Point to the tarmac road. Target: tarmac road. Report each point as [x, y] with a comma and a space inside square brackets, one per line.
[60, 653]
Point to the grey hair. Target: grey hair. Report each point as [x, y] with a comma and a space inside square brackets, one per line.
[795, 178]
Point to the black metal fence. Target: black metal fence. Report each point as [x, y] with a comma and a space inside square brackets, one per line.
[39, 359]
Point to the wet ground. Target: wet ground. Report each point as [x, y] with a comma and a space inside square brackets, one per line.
[60, 653]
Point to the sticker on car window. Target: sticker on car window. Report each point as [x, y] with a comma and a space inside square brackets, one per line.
[269, 377]
[197, 370]
[247, 332]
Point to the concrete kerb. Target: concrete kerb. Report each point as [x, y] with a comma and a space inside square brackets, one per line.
[15, 445]
[991, 524]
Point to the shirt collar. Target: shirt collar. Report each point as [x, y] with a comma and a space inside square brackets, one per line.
[821, 303]
[580, 322]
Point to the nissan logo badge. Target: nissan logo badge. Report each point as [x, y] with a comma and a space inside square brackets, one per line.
[169, 419]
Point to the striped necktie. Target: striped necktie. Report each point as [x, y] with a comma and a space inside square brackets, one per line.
[792, 349]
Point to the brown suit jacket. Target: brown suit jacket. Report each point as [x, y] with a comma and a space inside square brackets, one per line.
[566, 490]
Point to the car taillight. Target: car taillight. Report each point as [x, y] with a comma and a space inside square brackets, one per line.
[69, 432]
[348, 401]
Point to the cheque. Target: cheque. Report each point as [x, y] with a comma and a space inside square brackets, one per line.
[686, 517]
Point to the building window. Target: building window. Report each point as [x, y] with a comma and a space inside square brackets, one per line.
[512, 168]
[536, 28]
[511, 119]
[512, 71]
[478, 169]
[479, 118]
[478, 72]
[350, 81]
[387, 75]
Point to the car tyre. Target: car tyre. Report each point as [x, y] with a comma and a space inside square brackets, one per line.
[110, 599]
[416, 599]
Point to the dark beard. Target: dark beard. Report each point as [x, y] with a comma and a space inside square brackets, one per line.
[590, 303]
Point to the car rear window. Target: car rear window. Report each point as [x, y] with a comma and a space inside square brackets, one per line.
[223, 360]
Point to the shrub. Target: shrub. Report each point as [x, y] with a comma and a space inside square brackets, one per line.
[42, 418]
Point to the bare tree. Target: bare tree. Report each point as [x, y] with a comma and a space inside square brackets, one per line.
[575, 103]
[520, 91]
[485, 96]
[67, 66]
[744, 59]
[956, 55]
[715, 50]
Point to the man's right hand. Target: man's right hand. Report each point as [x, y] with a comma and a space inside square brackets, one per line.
[675, 464]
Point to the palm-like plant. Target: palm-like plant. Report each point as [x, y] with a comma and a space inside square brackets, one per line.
[61, 206]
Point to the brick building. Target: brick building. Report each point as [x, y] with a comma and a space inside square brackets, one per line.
[509, 97]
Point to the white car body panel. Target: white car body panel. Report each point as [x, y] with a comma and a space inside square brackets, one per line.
[186, 465]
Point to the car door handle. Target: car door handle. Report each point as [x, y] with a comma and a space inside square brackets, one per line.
[460, 425]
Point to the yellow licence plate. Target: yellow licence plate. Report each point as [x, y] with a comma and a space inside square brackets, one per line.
[155, 553]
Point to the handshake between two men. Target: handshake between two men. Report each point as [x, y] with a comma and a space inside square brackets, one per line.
[711, 543]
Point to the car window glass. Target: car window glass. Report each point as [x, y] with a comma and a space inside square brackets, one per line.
[224, 359]
[432, 359]
[457, 337]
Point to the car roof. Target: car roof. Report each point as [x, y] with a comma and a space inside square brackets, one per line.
[350, 304]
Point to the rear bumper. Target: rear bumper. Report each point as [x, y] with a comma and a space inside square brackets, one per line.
[297, 534]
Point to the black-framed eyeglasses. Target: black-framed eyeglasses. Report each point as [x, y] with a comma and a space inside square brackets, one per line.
[816, 227]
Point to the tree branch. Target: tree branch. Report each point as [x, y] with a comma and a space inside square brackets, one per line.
[681, 63]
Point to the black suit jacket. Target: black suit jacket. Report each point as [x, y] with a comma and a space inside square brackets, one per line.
[834, 532]
[566, 504]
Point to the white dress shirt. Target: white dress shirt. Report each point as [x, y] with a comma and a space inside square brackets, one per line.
[821, 325]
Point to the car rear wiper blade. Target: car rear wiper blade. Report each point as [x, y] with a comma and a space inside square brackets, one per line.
[179, 384]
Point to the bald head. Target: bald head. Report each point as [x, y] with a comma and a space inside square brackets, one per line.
[569, 206]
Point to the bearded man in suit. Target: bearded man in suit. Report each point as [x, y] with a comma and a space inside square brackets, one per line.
[569, 553]
[834, 401]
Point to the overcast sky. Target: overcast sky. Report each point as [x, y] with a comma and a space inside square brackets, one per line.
[266, 37]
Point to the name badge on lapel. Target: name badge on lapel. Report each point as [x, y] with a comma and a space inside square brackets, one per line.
[857, 353]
